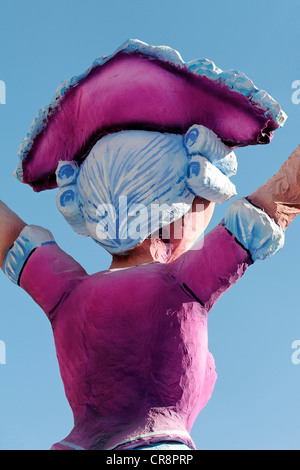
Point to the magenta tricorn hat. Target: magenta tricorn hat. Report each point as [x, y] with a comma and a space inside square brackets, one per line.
[143, 87]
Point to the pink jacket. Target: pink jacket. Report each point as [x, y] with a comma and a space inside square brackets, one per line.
[132, 343]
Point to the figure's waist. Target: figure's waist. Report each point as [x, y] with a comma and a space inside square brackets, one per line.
[152, 438]
[146, 427]
[136, 442]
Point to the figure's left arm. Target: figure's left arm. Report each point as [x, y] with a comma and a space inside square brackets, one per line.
[253, 229]
[279, 197]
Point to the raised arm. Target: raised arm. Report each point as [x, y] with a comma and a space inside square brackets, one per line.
[213, 265]
[30, 257]
[279, 197]
[253, 229]
[10, 228]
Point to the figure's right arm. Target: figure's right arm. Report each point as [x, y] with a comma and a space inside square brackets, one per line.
[10, 228]
[211, 267]
[252, 229]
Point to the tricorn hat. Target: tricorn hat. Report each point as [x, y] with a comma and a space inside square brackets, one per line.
[143, 87]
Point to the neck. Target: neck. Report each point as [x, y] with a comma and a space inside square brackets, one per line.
[150, 251]
[127, 261]
[157, 250]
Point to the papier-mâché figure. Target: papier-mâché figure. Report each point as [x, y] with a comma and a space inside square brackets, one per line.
[141, 146]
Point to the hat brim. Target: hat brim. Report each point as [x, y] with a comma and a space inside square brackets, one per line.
[149, 88]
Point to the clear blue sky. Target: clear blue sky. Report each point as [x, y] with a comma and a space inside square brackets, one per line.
[255, 404]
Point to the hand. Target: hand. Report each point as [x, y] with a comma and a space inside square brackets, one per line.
[10, 228]
[279, 197]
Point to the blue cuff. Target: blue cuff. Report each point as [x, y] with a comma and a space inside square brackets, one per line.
[29, 239]
[254, 229]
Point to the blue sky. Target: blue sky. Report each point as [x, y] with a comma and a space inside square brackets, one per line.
[255, 404]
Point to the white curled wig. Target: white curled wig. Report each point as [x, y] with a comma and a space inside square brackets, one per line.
[135, 182]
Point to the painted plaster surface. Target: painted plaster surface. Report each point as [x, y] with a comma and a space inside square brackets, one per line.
[132, 343]
[144, 87]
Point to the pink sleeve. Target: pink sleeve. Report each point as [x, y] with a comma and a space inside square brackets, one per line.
[49, 275]
[206, 271]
